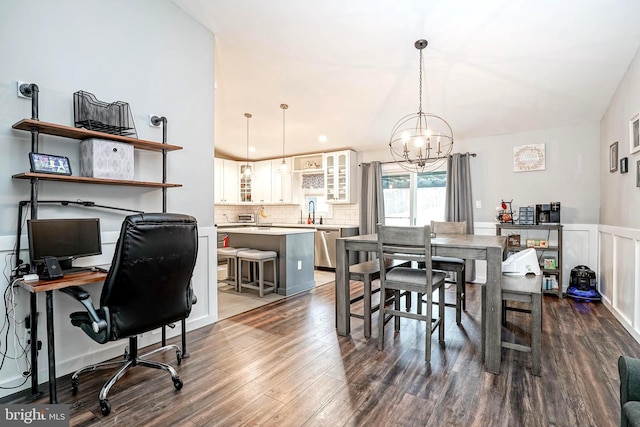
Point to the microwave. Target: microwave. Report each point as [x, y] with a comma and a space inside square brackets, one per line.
[246, 217]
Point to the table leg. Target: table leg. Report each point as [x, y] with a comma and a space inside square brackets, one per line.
[493, 311]
[343, 321]
[53, 397]
[33, 318]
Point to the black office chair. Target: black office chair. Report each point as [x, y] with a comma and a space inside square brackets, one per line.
[148, 286]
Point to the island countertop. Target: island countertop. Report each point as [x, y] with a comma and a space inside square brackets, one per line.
[268, 231]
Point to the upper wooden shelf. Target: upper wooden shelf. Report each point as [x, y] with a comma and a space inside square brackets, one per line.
[90, 180]
[79, 133]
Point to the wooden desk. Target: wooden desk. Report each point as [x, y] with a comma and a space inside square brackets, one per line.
[467, 246]
[48, 286]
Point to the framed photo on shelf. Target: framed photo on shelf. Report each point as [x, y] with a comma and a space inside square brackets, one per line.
[613, 157]
[47, 163]
[634, 134]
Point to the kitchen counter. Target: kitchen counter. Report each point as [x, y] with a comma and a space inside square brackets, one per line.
[226, 225]
[295, 250]
[270, 231]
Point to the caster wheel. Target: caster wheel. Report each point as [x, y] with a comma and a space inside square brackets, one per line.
[179, 357]
[105, 407]
[177, 383]
[74, 387]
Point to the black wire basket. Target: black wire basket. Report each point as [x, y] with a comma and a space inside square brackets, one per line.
[114, 118]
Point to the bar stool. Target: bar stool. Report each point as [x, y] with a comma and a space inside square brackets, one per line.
[231, 256]
[256, 260]
[525, 289]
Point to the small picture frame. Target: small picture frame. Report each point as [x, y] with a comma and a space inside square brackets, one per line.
[638, 173]
[624, 165]
[634, 134]
[47, 163]
[613, 157]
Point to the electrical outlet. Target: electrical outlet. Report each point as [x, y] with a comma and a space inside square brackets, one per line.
[299, 265]
[20, 94]
[478, 204]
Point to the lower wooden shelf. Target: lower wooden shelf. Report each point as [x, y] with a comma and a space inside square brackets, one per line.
[90, 180]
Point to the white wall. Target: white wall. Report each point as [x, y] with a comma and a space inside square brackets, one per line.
[570, 177]
[619, 230]
[147, 53]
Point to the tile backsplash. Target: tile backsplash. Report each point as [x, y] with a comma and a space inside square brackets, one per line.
[286, 214]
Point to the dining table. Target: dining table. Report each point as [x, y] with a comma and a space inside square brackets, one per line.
[466, 246]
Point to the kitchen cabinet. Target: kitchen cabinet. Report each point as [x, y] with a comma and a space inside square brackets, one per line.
[262, 182]
[226, 177]
[284, 182]
[246, 182]
[340, 176]
[541, 235]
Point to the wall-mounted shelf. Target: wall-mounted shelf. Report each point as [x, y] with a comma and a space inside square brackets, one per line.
[90, 180]
[78, 133]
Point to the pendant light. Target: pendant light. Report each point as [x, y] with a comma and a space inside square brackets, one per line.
[247, 167]
[283, 166]
[421, 141]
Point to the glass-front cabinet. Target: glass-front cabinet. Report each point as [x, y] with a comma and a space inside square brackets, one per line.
[245, 183]
[340, 176]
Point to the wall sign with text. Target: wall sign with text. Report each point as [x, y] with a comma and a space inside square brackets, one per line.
[528, 158]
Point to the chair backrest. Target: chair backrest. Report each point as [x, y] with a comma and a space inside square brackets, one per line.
[405, 243]
[449, 227]
[148, 284]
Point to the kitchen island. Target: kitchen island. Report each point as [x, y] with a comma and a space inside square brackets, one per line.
[295, 250]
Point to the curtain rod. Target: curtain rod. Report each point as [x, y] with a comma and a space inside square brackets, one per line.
[391, 161]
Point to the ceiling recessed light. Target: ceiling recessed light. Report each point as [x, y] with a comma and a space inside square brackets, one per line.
[322, 138]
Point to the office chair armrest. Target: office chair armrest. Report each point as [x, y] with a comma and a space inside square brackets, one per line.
[97, 324]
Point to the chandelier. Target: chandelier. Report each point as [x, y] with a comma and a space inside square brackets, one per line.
[421, 141]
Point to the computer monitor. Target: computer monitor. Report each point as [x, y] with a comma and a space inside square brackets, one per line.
[64, 239]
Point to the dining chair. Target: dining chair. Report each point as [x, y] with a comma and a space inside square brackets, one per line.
[454, 265]
[409, 244]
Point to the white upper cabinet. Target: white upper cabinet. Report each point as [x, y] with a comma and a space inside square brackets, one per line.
[340, 176]
[285, 184]
[262, 182]
[225, 184]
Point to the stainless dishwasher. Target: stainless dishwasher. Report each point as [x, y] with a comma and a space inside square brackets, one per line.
[325, 248]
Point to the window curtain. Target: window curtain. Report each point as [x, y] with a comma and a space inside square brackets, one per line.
[371, 202]
[459, 200]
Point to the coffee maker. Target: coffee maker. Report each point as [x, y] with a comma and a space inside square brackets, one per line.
[548, 213]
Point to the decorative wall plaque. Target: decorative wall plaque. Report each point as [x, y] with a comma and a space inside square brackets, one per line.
[528, 158]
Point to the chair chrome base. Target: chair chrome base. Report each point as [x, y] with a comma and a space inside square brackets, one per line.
[131, 359]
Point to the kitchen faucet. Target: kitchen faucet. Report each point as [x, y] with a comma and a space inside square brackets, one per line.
[313, 218]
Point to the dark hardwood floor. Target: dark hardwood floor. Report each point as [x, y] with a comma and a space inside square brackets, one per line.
[284, 365]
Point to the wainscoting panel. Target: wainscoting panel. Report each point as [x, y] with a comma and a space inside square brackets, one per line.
[619, 275]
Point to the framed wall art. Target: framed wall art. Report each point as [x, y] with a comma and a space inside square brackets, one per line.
[624, 165]
[529, 158]
[613, 157]
[634, 134]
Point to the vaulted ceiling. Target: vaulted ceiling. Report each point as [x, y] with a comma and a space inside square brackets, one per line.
[349, 69]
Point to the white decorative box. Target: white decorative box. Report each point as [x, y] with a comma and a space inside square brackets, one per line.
[101, 158]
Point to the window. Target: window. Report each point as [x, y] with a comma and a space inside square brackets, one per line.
[413, 198]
